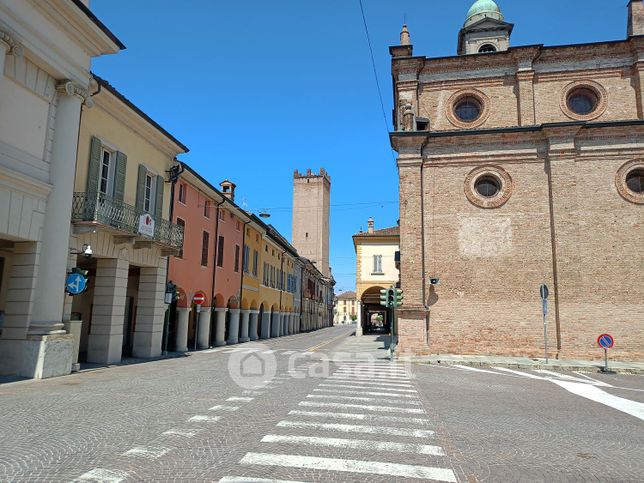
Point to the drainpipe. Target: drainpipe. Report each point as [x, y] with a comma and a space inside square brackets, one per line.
[422, 239]
[241, 283]
[214, 264]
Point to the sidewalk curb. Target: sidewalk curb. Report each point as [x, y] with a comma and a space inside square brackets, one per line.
[591, 367]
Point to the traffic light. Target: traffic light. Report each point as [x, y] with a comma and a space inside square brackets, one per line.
[398, 297]
[384, 297]
[391, 298]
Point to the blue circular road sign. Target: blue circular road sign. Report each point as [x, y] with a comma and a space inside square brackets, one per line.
[605, 341]
[75, 283]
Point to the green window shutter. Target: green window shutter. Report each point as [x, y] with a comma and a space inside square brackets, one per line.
[158, 203]
[140, 188]
[94, 165]
[119, 181]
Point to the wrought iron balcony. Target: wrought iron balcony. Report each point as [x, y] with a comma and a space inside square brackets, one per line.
[102, 210]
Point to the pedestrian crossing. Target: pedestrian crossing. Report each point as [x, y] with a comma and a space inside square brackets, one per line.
[363, 430]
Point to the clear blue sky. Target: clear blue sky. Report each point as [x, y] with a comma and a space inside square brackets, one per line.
[258, 88]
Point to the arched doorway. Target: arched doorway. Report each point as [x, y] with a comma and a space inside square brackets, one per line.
[376, 319]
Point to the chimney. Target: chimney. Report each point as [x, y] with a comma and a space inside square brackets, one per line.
[635, 18]
[228, 189]
[370, 224]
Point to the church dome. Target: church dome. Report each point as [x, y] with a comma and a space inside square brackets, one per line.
[483, 9]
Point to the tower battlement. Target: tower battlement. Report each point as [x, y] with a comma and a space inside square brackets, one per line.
[309, 174]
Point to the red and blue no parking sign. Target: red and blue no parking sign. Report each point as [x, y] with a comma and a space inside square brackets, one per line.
[605, 341]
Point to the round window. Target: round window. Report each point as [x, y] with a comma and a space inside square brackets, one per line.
[583, 101]
[635, 181]
[468, 109]
[487, 186]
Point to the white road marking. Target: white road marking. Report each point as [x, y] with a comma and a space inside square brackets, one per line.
[361, 417]
[103, 475]
[366, 393]
[246, 479]
[370, 377]
[474, 369]
[240, 399]
[384, 409]
[593, 393]
[186, 433]
[572, 378]
[204, 419]
[252, 393]
[147, 452]
[351, 466]
[519, 373]
[269, 352]
[358, 398]
[221, 407]
[368, 370]
[369, 382]
[353, 428]
[356, 444]
[352, 386]
[288, 353]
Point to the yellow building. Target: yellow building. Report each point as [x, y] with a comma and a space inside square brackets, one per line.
[120, 216]
[376, 269]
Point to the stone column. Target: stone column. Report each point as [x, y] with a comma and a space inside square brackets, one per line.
[275, 324]
[50, 286]
[183, 315]
[108, 311]
[252, 329]
[289, 324]
[359, 320]
[265, 332]
[220, 326]
[243, 326]
[233, 328]
[203, 334]
[150, 311]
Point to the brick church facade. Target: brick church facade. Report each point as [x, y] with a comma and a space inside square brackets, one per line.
[520, 166]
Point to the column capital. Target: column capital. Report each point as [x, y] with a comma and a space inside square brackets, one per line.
[220, 309]
[15, 48]
[234, 311]
[71, 88]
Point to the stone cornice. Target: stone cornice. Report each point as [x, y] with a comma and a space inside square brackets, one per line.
[24, 183]
[14, 47]
[71, 19]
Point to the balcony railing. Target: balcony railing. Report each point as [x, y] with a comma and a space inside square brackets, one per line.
[104, 210]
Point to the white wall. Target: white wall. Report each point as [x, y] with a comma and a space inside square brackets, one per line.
[388, 251]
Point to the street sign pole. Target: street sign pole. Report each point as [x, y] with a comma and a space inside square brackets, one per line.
[605, 341]
[543, 291]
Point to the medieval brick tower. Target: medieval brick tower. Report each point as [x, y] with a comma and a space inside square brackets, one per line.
[311, 208]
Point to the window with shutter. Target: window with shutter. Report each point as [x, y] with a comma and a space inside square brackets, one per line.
[158, 202]
[220, 251]
[205, 242]
[119, 177]
[94, 167]
[236, 258]
[140, 188]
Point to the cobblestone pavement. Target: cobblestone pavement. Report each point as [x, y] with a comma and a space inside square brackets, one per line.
[320, 407]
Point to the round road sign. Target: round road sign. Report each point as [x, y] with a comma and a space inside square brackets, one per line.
[605, 341]
[199, 298]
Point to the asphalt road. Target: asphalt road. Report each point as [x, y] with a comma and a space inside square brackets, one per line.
[320, 407]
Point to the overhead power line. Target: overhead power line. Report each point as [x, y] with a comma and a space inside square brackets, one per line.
[375, 74]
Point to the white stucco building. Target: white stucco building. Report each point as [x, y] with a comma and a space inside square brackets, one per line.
[45, 51]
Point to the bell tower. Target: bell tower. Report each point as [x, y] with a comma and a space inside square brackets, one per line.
[485, 30]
